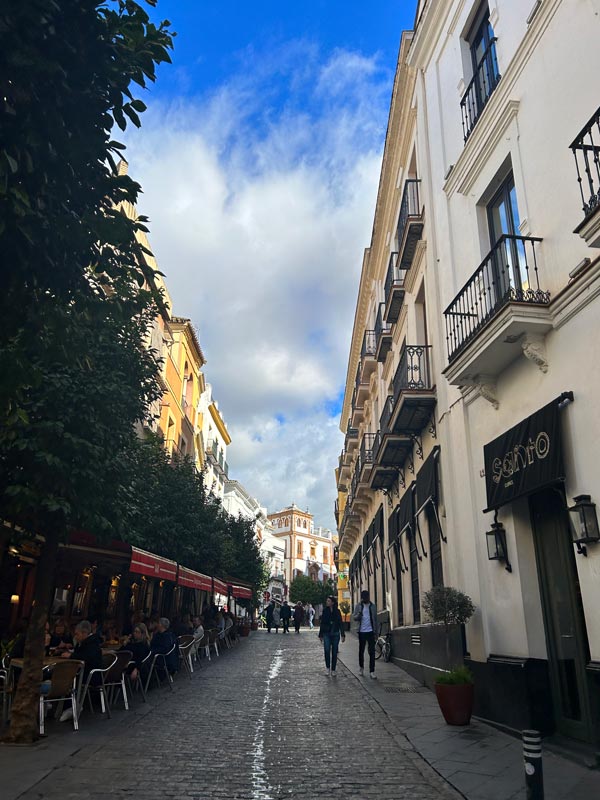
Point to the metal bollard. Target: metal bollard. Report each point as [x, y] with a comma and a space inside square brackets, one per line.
[532, 756]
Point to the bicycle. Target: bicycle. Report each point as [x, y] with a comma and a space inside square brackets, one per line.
[383, 646]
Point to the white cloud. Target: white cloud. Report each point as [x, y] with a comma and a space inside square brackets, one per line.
[261, 201]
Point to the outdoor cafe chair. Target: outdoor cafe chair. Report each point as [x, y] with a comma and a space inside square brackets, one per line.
[96, 681]
[64, 683]
[213, 636]
[204, 644]
[156, 662]
[187, 644]
[6, 689]
[114, 680]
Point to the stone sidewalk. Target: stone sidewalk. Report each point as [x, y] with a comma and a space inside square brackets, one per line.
[478, 760]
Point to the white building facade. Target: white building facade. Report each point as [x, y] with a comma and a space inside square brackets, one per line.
[216, 439]
[484, 401]
[309, 550]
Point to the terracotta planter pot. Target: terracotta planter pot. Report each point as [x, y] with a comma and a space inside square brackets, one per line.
[245, 631]
[456, 702]
[254, 626]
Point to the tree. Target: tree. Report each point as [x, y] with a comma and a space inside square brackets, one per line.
[305, 590]
[77, 295]
[448, 606]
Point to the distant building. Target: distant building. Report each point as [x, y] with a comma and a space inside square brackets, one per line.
[309, 551]
[216, 438]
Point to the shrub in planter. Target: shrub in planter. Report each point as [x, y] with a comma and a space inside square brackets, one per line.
[454, 689]
[345, 609]
[455, 693]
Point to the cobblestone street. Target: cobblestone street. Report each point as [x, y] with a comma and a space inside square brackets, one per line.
[261, 722]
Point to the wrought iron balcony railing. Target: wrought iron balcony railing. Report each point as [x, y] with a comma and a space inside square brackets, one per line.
[413, 371]
[394, 289]
[586, 151]
[410, 209]
[508, 274]
[386, 414]
[351, 433]
[480, 89]
[383, 334]
[366, 451]
[368, 345]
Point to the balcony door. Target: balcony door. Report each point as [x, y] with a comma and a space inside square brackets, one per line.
[508, 260]
[483, 58]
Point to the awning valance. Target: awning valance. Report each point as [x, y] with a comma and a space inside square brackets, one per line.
[525, 458]
[193, 580]
[427, 481]
[151, 565]
[242, 592]
[220, 587]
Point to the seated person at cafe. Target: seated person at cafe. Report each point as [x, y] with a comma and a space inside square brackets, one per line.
[96, 622]
[198, 628]
[139, 647]
[88, 650]
[163, 641]
[60, 638]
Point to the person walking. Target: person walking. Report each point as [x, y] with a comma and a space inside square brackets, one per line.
[298, 616]
[310, 613]
[276, 617]
[269, 615]
[330, 633]
[365, 615]
[286, 615]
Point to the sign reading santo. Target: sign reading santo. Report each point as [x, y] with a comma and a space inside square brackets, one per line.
[520, 457]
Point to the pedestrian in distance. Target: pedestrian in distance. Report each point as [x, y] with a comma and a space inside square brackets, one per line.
[269, 615]
[277, 617]
[298, 616]
[310, 613]
[365, 616]
[286, 615]
[330, 633]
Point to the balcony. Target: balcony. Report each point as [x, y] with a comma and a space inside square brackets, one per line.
[480, 89]
[394, 289]
[410, 224]
[367, 363]
[413, 399]
[357, 410]
[351, 439]
[390, 449]
[586, 151]
[383, 335]
[501, 308]
[365, 458]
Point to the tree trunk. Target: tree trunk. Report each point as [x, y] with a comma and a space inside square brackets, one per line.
[24, 716]
[5, 534]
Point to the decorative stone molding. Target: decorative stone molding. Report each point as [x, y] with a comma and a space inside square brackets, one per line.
[534, 349]
[487, 390]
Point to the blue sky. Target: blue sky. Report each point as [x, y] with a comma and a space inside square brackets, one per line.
[259, 157]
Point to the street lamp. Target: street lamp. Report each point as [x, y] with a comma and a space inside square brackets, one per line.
[496, 544]
[584, 528]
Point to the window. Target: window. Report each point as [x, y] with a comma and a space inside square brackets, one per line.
[484, 66]
[509, 262]
[313, 551]
[326, 554]
[414, 577]
[299, 550]
[304, 523]
[435, 546]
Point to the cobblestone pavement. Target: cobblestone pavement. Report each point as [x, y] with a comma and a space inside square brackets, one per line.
[262, 722]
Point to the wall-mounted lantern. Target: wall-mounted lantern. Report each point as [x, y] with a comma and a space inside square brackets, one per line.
[584, 528]
[496, 544]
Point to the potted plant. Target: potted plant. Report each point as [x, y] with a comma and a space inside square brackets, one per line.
[454, 689]
[345, 609]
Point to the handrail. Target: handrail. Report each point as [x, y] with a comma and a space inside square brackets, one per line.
[592, 147]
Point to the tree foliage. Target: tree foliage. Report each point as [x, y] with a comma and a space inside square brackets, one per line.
[305, 590]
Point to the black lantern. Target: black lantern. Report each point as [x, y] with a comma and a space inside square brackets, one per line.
[584, 528]
[496, 544]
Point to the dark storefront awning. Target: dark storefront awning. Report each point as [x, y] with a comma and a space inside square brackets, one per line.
[153, 566]
[427, 481]
[526, 458]
[193, 580]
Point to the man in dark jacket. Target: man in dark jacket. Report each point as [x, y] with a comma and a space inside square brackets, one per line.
[269, 616]
[88, 650]
[298, 616]
[365, 615]
[286, 615]
[163, 641]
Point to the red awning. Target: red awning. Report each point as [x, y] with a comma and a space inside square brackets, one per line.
[193, 580]
[143, 563]
[220, 587]
[242, 593]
